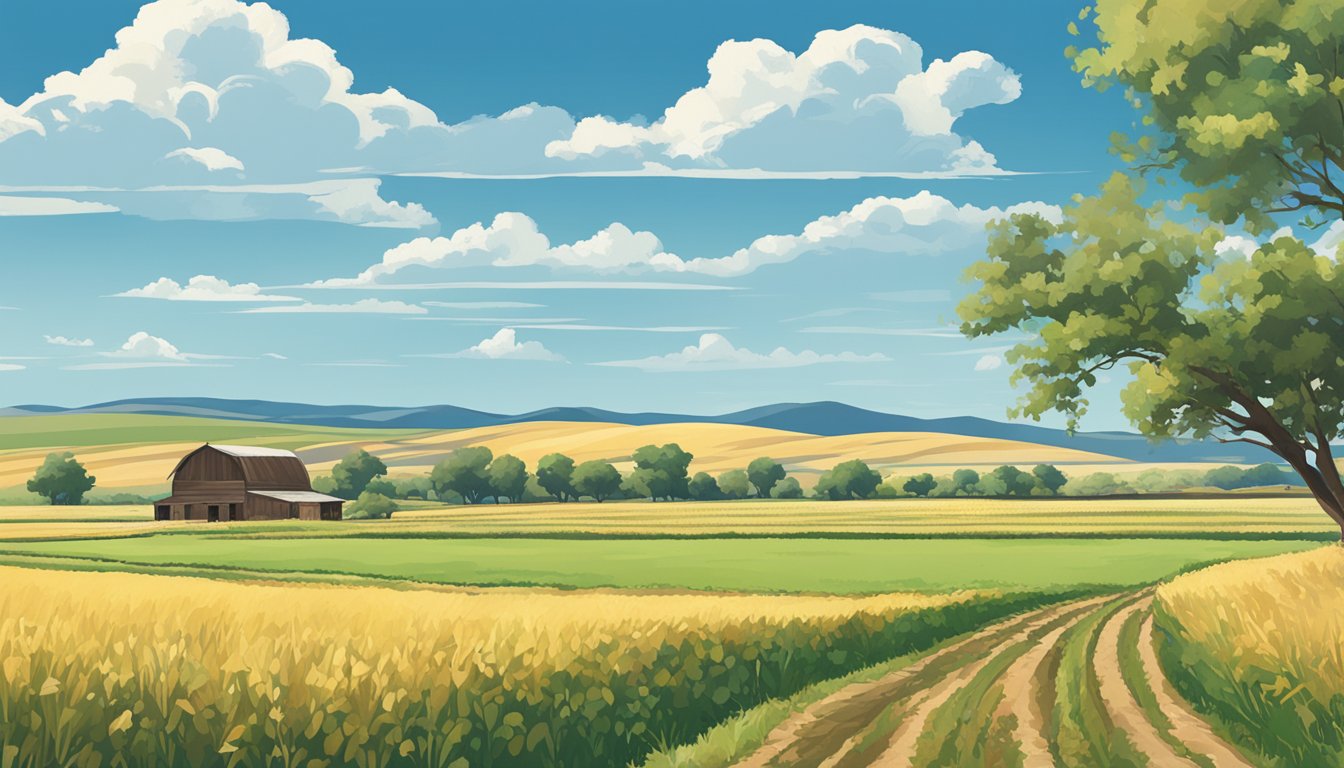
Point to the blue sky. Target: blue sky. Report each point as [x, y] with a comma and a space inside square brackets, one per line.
[793, 229]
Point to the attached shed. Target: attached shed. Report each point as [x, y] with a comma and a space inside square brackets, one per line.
[239, 482]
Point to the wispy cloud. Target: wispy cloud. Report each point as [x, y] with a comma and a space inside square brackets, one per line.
[63, 341]
[15, 205]
[715, 353]
[144, 350]
[363, 306]
[482, 304]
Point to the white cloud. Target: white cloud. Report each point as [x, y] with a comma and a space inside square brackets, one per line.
[16, 205]
[716, 353]
[363, 306]
[209, 158]
[858, 99]
[12, 367]
[504, 345]
[217, 92]
[274, 356]
[990, 362]
[202, 288]
[143, 346]
[63, 341]
[924, 223]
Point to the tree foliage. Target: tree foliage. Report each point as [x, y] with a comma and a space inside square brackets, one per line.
[703, 487]
[763, 473]
[508, 478]
[61, 479]
[596, 479]
[661, 471]
[370, 506]
[788, 488]
[1242, 100]
[464, 473]
[919, 485]
[734, 484]
[848, 480]
[555, 474]
[1241, 349]
[353, 473]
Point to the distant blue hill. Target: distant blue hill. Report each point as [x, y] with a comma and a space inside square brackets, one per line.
[822, 418]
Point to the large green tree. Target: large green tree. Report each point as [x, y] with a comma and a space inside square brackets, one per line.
[1239, 349]
[1243, 100]
[61, 479]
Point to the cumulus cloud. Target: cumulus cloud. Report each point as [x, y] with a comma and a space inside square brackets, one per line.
[218, 92]
[858, 99]
[202, 288]
[504, 345]
[363, 306]
[924, 223]
[715, 353]
[64, 341]
[143, 350]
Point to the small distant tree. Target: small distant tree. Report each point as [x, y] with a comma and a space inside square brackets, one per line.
[920, 485]
[555, 474]
[788, 488]
[1049, 478]
[353, 473]
[848, 480]
[662, 471]
[508, 478]
[370, 506]
[463, 473]
[703, 487]
[1015, 481]
[964, 482]
[1225, 478]
[734, 484]
[596, 479]
[61, 480]
[1099, 484]
[763, 473]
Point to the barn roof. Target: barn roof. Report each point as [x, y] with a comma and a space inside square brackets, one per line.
[266, 468]
[252, 451]
[306, 496]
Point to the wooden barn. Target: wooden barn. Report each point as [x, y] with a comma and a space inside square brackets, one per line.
[238, 482]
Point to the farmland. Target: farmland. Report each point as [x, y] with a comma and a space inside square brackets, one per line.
[952, 631]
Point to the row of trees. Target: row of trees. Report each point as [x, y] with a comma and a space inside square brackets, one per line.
[475, 475]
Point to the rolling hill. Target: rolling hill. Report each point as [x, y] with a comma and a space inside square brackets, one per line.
[828, 419]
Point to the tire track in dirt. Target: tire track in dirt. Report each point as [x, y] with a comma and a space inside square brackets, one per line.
[1022, 695]
[1123, 708]
[903, 741]
[808, 737]
[1186, 726]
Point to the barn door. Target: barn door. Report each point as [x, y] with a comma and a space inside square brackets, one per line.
[212, 513]
[310, 512]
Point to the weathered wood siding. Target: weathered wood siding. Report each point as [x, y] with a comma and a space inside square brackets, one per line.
[273, 473]
[266, 508]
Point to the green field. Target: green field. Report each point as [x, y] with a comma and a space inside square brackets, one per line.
[108, 429]
[755, 564]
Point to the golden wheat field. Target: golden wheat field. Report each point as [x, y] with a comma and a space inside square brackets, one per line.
[106, 668]
[1259, 644]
